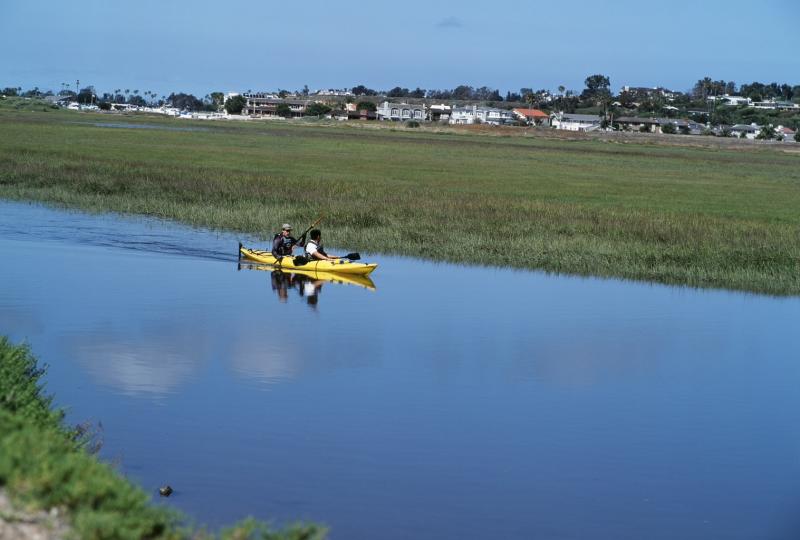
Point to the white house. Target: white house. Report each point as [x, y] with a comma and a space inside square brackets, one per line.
[775, 105]
[731, 101]
[787, 133]
[750, 131]
[575, 122]
[439, 113]
[400, 111]
[485, 115]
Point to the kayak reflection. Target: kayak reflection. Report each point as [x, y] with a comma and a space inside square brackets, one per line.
[307, 284]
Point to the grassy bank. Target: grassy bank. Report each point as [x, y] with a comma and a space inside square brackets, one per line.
[44, 464]
[712, 218]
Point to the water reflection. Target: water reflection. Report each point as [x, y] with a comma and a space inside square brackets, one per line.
[546, 406]
[307, 284]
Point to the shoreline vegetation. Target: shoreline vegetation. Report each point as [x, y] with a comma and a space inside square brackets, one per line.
[58, 486]
[683, 213]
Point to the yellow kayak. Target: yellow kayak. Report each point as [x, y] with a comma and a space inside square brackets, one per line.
[360, 280]
[339, 266]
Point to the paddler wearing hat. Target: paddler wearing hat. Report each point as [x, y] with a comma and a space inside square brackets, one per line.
[283, 243]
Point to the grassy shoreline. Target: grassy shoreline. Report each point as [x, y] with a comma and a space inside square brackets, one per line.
[722, 218]
[45, 464]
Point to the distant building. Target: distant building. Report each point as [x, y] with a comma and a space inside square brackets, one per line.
[266, 105]
[745, 131]
[575, 122]
[401, 111]
[642, 92]
[651, 125]
[439, 113]
[361, 114]
[333, 92]
[533, 116]
[775, 105]
[731, 101]
[482, 115]
[787, 133]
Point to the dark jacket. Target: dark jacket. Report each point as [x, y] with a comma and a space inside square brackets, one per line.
[282, 246]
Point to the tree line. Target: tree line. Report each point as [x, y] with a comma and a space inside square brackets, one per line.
[595, 94]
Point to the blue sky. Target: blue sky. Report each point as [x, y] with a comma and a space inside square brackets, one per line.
[202, 46]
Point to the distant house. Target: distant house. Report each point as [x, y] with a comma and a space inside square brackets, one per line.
[62, 101]
[485, 115]
[496, 117]
[575, 122]
[361, 114]
[696, 128]
[634, 123]
[788, 133]
[652, 125]
[533, 116]
[400, 112]
[439, 113]
[745, 131]
[338, 114]
[266, 105]
[646, 91]
[775, 105]
[732, 101]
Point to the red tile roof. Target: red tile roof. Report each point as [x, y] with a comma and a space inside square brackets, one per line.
[532, 113]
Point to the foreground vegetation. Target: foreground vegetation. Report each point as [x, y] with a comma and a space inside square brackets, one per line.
[45, 464]
[672, 214]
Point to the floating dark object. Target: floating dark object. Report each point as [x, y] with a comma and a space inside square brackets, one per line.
[165, 491]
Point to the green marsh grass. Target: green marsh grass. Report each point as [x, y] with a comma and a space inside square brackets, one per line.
[45, 464]
[724, 218]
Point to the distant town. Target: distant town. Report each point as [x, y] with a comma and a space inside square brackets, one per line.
[756, 111]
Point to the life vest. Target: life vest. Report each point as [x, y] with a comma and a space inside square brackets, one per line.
[282, 245]
[320, 249]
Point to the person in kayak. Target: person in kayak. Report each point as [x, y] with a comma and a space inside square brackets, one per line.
[283, 243]
[314, 249]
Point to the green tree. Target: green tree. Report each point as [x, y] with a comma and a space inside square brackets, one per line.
[283, 110]
[137, 101]
[317, 109]
[669, 129]
[235, 104]
[797, 136]
[596, 85]
[397, 92]
[767, 132]
[217, 100]
[530, 98]
[463, 92]
[185, 101]
[86, 95]
[366, 106]
[362, 90]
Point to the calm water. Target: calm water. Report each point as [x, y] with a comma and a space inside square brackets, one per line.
[448, 402]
